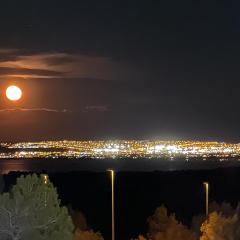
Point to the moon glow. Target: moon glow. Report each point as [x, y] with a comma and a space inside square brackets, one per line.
[13, 93]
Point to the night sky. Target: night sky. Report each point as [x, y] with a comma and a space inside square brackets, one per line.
[120, 69]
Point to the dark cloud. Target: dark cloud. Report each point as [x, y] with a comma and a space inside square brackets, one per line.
[15, 110]
[103, 108]
[87, 109]
[19, 63]
[31, 73]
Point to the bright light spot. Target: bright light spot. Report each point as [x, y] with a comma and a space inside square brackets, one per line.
[13, 93]
[159, 148]
[45, 178]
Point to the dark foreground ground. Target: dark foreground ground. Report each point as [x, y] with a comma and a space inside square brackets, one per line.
[139, 193]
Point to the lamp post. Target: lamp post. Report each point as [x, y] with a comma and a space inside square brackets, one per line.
[113, 205]
[206, 185]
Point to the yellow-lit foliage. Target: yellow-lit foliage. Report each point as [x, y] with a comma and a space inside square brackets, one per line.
[87, 235]
[140, 237]
[218, 227]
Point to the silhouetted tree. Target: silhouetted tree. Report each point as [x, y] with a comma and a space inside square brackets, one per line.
[32, 211]
[165, 227]
[224, 208]
[82, 231]
[79, 219]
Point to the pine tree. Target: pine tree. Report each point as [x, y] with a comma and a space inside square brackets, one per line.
[31, 210]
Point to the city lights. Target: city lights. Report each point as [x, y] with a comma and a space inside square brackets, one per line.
[119, 149]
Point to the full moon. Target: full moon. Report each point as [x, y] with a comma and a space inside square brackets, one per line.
[13, 93]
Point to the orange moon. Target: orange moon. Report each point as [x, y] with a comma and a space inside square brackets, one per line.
[13, 93]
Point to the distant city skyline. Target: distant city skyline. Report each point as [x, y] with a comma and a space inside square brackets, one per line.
[120, 149]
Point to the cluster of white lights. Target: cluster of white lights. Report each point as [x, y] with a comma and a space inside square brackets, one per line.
[121, 148]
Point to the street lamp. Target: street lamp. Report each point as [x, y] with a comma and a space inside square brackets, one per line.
[206, 185]
[113, 207]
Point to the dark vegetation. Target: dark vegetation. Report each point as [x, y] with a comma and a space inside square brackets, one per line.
[138, 194]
